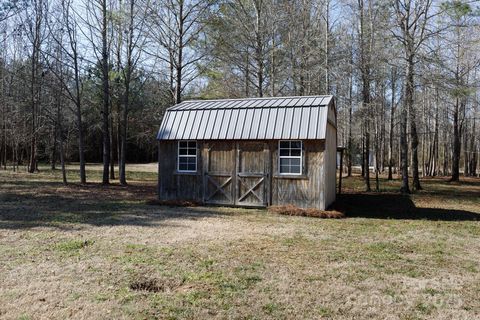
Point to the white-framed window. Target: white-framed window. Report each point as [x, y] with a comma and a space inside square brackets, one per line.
[290, 157]
[187, 156]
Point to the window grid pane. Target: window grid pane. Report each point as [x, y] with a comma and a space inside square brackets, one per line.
[290, 157]
[187, 156]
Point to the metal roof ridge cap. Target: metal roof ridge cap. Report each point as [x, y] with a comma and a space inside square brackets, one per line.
[250, 108]
[257, 98]
[223, 103]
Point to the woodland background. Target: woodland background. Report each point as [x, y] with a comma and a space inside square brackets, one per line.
[89, 80]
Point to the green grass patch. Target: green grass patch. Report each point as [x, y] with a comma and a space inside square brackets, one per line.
[425, 308]
[73, 245]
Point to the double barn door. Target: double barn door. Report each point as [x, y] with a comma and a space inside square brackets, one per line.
[236, 173]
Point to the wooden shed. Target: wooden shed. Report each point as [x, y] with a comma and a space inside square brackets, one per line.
[250, 152]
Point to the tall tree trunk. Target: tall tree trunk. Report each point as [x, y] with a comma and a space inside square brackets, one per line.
[14, 156]
[327, 47]
[350, 124]
[247, 74]
[81, 143]
[34, 85]
[365, 39]
[392, 123]
[126, 98]
[118, 139]
[466, 155]
[5, 145]
[62, 163]
[459, 105]
[377, 142]
[409, 96]
[123, 146]
[180, 45]
[53, 153]
[383, 130]
[414, 144]
[78, 115]
[106, 97]
[427, 134]
[59, 134]
[259, 47]
[366, 101]
[363, 151]
[112, 141]
[473, 158]
[435, 155]
[403, 130]
[172, 73]
[273, 70]
[456, 143]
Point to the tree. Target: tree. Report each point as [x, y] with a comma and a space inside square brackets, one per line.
[366, 39]
[55, 108]
[459, 15]
[97, 21]
[175, 26]
[33, 20]
[393, 82]
[243, 42]
[134, 27]
[65, 34]
[411, 30]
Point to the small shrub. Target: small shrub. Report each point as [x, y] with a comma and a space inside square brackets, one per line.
[291, 210]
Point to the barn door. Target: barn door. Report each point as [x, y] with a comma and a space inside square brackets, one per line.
[251, 178]
[219, 179]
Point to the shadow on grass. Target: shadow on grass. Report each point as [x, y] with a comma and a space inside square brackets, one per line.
[396, 206]
[90, 204]
[27, 204]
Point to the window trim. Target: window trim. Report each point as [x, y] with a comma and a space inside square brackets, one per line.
[187, 156]
[301, 157]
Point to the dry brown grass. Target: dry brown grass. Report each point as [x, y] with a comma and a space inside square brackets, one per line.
[291, 210]
[93, 252]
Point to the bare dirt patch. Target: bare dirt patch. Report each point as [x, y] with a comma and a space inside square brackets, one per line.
[153, 285]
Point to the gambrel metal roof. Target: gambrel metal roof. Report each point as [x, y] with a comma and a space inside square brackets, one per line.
[247, 119]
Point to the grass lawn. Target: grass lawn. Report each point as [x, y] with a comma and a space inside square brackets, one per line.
[93, 252]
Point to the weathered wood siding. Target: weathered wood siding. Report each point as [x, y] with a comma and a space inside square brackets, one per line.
[219, 167]
[173, 185]
[331, 115]
[330, 167]
[246, 173]
[252, 178]
[304, 191]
